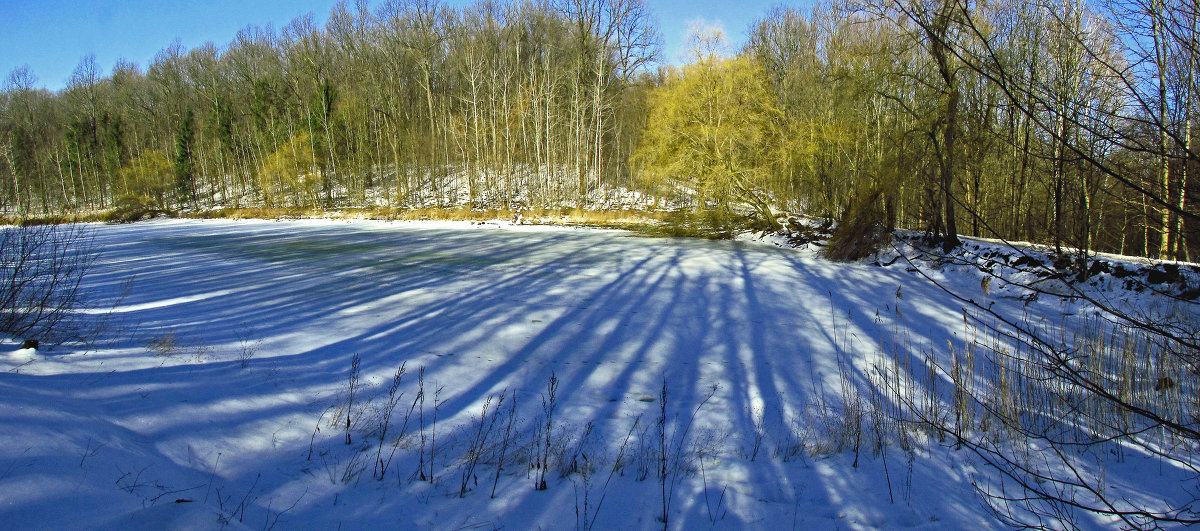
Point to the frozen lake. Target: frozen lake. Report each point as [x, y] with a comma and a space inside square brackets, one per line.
[168, 411]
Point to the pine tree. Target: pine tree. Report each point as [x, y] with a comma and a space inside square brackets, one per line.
[185, 158]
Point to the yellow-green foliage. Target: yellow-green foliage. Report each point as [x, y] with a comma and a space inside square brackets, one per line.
[714, 130]
[148, 176]
[292, 173]
[862, 230]
[131, 208]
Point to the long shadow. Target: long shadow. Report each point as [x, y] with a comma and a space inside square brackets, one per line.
[482, 311]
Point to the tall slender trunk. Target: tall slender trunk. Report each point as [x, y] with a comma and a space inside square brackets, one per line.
[950, 137]
[1059, 178]
[15, 183]
[938, 33]
[1160, 54]
[1179, 246]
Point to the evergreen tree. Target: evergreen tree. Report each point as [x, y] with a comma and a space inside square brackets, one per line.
[185, 158]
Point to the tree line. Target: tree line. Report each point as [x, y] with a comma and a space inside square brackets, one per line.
[1065, 122]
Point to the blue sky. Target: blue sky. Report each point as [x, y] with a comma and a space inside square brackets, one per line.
[51, 36]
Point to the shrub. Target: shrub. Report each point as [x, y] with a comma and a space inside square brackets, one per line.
[41, 268]
[131, 208]
[862, 231]
[712, 224]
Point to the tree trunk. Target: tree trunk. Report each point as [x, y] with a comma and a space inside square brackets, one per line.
[939, 48]
[1160, 54]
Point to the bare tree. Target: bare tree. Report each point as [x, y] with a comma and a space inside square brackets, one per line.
[1088, 397]
[41, 270]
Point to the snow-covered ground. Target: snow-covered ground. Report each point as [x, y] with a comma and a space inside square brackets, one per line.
[219, 395]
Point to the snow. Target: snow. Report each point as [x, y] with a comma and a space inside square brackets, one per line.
[236, 340]
[20, 356]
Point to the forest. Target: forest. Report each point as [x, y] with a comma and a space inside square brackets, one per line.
[1064, 122]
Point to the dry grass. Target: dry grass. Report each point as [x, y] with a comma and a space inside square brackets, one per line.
[649, 223]
[624, 219]
[53, 219]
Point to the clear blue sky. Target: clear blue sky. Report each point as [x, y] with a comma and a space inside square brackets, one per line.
[51, 36]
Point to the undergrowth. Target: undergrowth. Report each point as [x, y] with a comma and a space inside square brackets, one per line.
[364, 429]
[654, 223]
